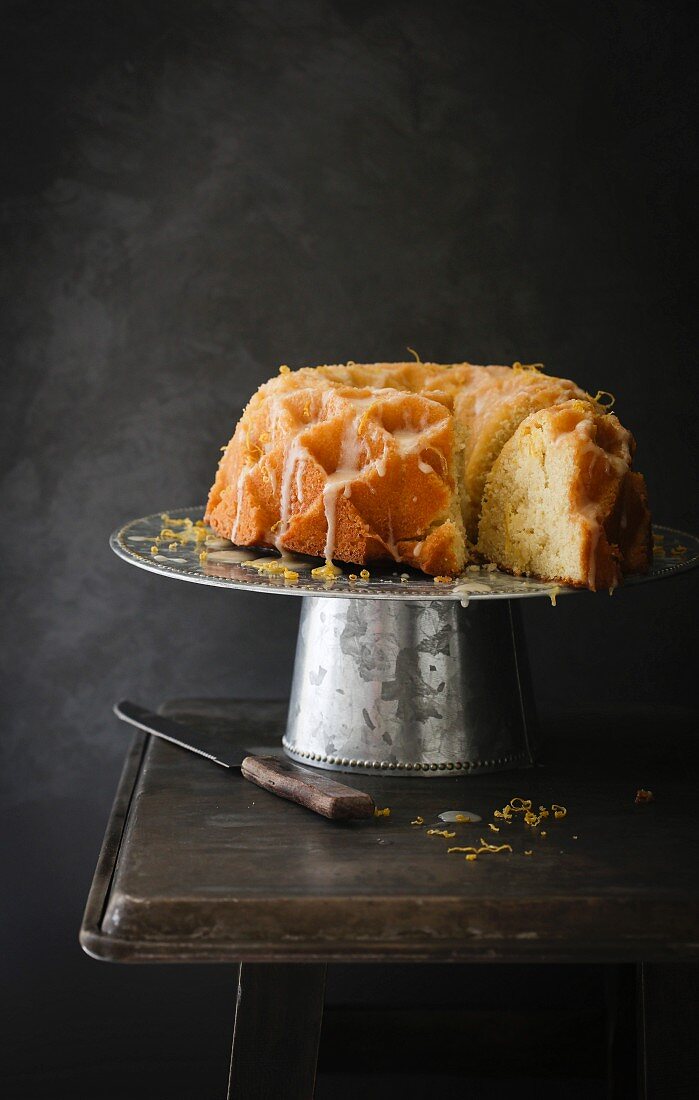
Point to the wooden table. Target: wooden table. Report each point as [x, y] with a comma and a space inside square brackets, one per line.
[199, 865]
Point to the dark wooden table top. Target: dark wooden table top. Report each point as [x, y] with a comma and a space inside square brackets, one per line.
[200, 865]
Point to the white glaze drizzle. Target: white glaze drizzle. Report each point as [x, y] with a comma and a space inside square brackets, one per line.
[293, 561]
[242, 477]
[470, 588]
[228, 555]
[454, 816]
[296, 453]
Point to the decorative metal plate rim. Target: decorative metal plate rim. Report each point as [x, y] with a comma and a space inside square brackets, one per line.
[384, 584]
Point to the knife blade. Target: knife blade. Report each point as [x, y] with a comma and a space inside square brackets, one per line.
[324, 796]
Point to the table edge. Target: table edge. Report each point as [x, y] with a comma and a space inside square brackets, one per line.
[97, 898]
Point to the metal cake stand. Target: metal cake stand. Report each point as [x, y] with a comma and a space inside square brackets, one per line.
[395, 672]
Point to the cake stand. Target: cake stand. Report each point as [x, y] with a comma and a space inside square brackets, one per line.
[395, 672]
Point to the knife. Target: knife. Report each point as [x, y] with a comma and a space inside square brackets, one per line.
[322, 795]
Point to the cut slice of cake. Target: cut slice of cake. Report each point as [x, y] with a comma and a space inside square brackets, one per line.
[561, 502]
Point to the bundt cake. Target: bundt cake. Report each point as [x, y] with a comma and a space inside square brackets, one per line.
[434, 466]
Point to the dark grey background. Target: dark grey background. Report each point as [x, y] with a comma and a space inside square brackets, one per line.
[196, 192]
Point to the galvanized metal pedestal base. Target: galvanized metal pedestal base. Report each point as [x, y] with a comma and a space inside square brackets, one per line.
[428, 689]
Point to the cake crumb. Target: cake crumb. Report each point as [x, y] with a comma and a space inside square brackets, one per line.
[644, 796]
[382, 813]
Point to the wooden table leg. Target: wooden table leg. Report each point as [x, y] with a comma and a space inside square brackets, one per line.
[668, 1031]
[621, 1000]
[278, 1014]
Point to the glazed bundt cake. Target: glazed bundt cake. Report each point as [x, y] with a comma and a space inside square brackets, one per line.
[433, 466]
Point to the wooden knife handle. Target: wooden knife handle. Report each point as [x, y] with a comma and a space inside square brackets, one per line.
[323, 796]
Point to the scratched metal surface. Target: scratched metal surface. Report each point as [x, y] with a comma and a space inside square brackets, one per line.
[411, 689]
[134, 540]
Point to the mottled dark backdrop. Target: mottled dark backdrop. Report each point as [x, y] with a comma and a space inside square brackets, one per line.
[196, 192]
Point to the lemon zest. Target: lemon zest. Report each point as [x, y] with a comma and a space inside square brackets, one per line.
[326, 572]
[537, 368]
[604, 404]
[522, 804]
[485, 847]
[172, 522]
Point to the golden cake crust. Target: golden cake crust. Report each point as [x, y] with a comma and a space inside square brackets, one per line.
[360, 474]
